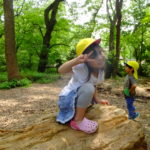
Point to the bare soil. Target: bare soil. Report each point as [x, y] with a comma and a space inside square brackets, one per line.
[22, 107]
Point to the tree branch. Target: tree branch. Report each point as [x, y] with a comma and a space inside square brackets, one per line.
[108, 13]
[111, 7]
[19, 12]
[40, 29]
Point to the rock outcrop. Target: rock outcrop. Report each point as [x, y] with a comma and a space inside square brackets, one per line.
[115, 132]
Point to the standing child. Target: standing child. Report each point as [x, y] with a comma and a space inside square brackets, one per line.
[87, 70]
[131, 68]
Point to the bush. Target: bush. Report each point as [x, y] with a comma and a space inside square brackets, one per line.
[15, 83]
[146, 69]
[29, 77]
[3, 77]
[41, 77]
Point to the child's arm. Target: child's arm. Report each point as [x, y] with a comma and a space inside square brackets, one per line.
[132, 89]
[67, 67]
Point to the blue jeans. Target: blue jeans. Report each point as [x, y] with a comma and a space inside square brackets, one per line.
[130, 106]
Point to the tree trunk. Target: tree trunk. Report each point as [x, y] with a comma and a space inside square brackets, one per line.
[112, 25]
[141, 51]
[111, 37]
[50, 23]
[118, 31]
[112, 19]
[10, 47]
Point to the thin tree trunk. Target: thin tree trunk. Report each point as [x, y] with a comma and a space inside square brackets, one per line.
[50, 23]
[112, 25]
[141, 50]
[118, 31]
[112, 19]
[10, 45]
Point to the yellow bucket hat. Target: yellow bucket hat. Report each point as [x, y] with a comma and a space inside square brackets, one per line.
[84, 43]
[135, 66]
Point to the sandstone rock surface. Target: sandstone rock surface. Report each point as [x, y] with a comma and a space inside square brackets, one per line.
[115, 132]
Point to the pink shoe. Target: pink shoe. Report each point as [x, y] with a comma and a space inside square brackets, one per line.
[85, 125]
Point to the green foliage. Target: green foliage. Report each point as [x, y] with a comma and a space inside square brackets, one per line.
[146, 69]
[41, 77]
[30, 29]
[29, 77]
[48, 79]
[146, 19]
[135, 35]
[121, 69]
[15, 83]
[3, 77]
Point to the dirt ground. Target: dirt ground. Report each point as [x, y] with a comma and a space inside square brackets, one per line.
[22, 107]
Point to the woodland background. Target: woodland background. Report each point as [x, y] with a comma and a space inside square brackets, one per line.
[36, 37]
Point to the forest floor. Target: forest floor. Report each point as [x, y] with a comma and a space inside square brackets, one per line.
[23, 107]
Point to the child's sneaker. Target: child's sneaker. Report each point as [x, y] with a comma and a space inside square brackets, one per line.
[86, 125]
[137, 114]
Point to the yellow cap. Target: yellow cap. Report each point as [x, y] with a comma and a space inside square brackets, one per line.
[135, 66]
[84, 43]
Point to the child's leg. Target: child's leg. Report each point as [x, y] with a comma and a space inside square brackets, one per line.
[130, 107]
[85, 96]
[80, 112]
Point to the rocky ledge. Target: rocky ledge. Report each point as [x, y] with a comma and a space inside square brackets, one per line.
[115, 132]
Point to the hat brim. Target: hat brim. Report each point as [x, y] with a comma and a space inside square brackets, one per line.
[127, 65]
[97, 41]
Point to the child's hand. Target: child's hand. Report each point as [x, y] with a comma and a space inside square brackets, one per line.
[83, 58]
[132, 92]
[104, 102]
[132, 89]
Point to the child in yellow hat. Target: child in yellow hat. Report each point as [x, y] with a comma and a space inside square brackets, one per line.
[87, 71]
[131, 68]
